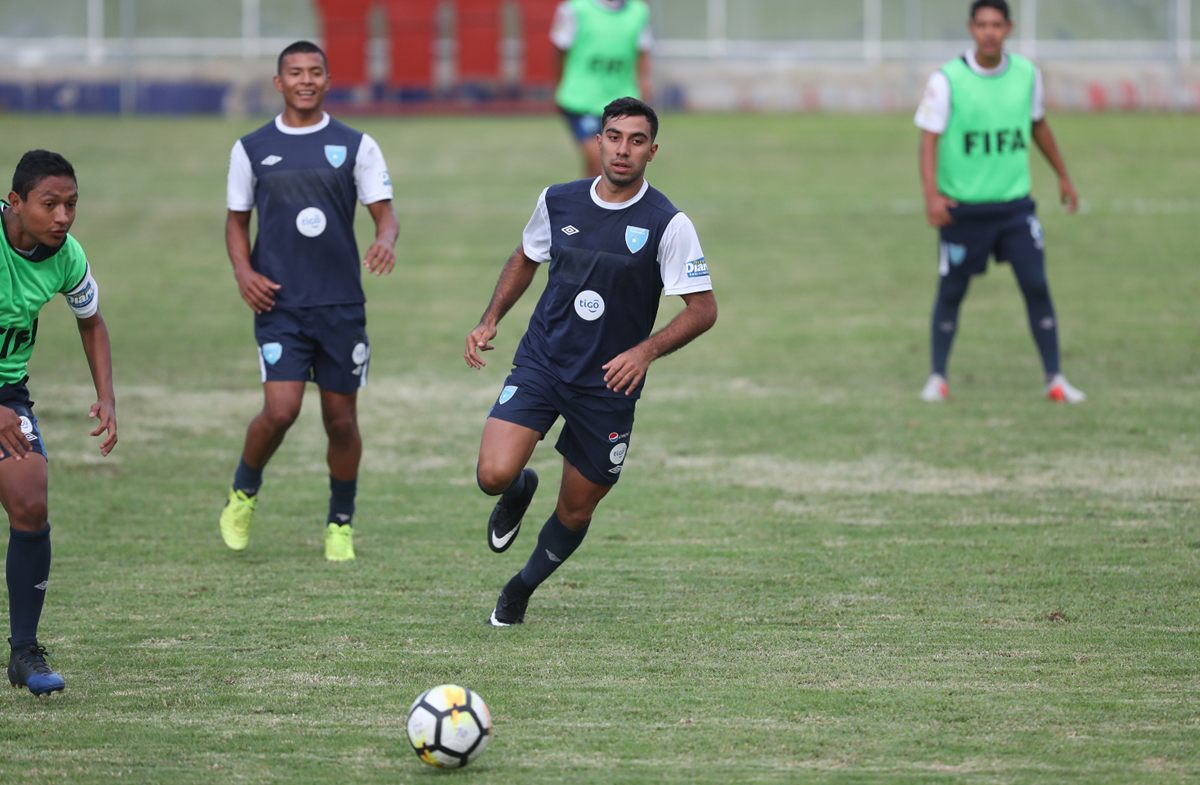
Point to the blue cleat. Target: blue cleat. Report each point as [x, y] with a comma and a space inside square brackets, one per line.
[28, 668]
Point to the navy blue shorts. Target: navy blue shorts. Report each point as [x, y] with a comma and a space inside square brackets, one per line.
[595, 438]
[325, 344]
[16, 397]
[584, 126]
[1009, 231]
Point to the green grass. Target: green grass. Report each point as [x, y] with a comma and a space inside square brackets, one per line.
[806, 575]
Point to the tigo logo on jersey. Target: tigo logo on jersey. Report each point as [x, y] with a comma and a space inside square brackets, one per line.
[589, 305]
[360, 354]
[27, 429]
[310, 222]
[618, 453]
[697, 269]
[335, 154]
[271, 352]
[271, 160]
[635, 238]
[506, 394]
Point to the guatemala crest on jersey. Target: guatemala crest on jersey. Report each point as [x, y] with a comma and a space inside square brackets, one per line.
[635, 238]
[506, 394]
[271, 352]
[335, 154]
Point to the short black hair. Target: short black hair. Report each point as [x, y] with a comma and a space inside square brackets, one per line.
[298, 48]
[37, 165]
[999, 5]
[630, 107]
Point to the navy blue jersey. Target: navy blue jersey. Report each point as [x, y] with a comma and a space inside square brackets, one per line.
[305, 191]
[605, 280]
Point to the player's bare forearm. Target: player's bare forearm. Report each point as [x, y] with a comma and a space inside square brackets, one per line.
[627, 369]
[515, 278]
[93, 332]
[381, 256]
[257, 290]
[936, 204]
[1044, 137]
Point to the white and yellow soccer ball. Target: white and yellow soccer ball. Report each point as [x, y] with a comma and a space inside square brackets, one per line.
[449, 726]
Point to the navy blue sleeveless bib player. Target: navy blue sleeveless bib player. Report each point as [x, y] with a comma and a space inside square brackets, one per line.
[604, 286]
[305, 189]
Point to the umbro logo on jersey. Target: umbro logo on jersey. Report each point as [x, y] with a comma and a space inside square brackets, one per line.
[271, 160]
[570, 230]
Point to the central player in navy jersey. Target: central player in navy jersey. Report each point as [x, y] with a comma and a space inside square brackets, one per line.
[614, 245]
[304, 171]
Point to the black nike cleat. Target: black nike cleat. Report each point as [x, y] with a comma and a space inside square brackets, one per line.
[27, 668]
[505, 520]
[511, 605]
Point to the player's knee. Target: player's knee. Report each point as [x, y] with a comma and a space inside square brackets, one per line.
[280, 418]
[29, 514]
[1036, 291]
[575, 518]
[492, 478]
[340, 426]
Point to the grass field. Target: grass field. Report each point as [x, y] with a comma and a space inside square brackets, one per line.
[806, 575]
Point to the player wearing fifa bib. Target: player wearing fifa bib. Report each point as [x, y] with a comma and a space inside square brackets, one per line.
[303, 172]
[979, 115]
[40, 260]
[602, 53]
[612, 246]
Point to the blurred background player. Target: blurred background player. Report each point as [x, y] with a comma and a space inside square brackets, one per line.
[303, 171]
[40, 260]
[603, 53]
[613, 244]
[978, 117]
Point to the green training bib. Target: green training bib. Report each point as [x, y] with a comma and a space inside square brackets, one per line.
[601, 65]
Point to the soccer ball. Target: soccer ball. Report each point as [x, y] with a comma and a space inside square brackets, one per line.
[449, 726]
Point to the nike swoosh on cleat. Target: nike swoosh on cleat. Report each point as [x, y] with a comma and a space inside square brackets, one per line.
[496, 622]
[500, 542]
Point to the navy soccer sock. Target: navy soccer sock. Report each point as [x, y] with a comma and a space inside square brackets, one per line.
[28, 571]
[1043, 325]
[341, 500]
[951, 291]
[247, 479]
[555, 545]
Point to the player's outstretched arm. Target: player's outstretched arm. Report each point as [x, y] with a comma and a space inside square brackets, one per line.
[257, 290]
[627, 369]
[515, 278]
[937, 204]
[94, 334]
[1045, 142]
[381, 257]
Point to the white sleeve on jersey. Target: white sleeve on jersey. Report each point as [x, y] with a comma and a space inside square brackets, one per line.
[562, 30]
[84, 299]
[370, 173]
[681, 260]
[239, 191]
[1039, 96]
[536, 238]
[933, 114]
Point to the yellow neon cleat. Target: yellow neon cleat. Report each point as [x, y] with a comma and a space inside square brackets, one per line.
[236, 519]
[339, 542]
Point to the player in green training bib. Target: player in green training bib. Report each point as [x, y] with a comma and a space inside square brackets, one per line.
[603, 51]
[980, 115]
[40, 261]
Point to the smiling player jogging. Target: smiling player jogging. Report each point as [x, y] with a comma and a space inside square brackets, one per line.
[612, 246]
[303, 172]
[40, 260]
[978, 117]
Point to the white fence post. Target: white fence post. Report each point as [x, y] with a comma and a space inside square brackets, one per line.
[128, 64]
[95, 31]
[872, 30]
[1183, 31]
[251, 28]
[718, 27]
[1029, 12]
